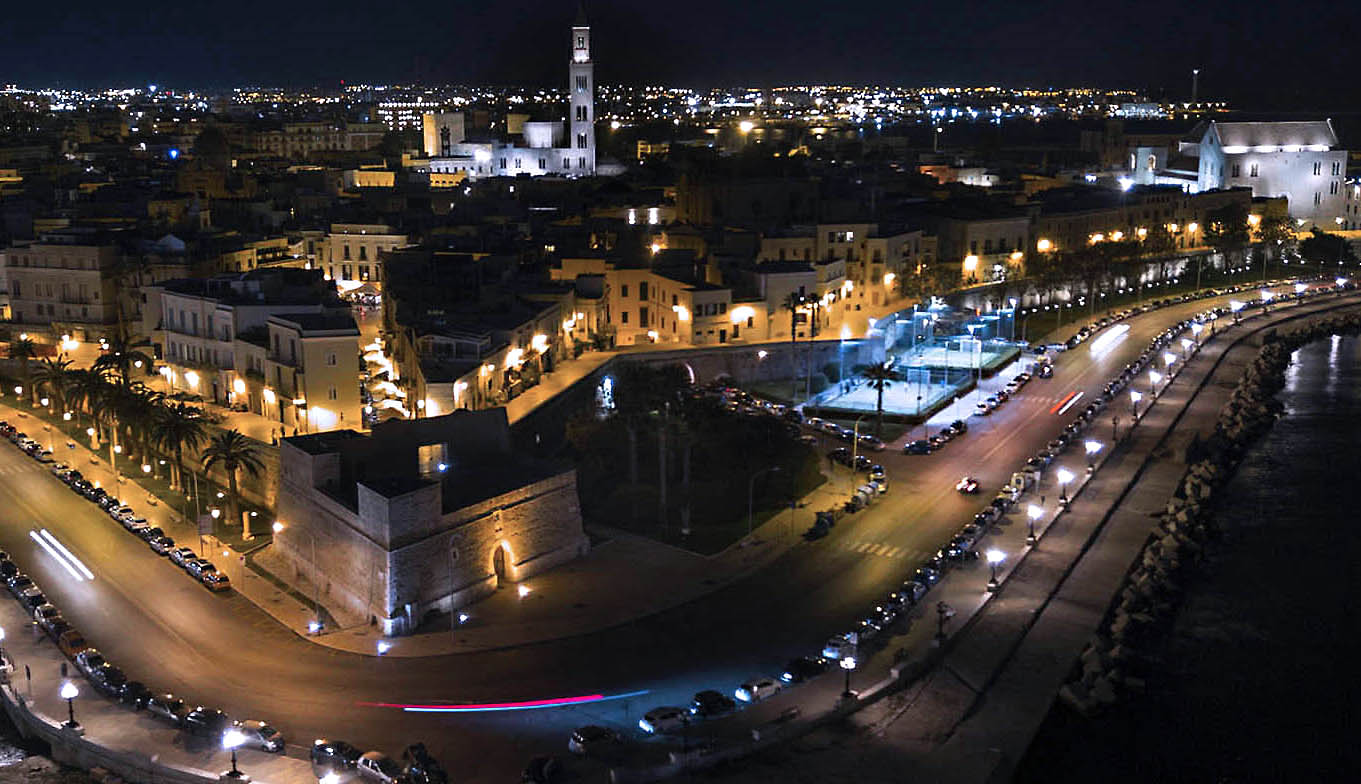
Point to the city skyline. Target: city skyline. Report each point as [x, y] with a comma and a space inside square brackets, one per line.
[520, 43]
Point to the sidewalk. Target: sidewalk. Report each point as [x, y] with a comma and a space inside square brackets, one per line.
[145, 744]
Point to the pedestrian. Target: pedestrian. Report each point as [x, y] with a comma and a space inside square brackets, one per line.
[1041, 500]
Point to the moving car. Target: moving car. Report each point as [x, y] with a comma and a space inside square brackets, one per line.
[663, 720]
[967, 485]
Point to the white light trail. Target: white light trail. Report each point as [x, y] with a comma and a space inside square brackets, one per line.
[78, 563]
[1072, 402]
[56, 556]
[1107, 341]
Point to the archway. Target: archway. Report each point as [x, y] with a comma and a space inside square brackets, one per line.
[498, 564]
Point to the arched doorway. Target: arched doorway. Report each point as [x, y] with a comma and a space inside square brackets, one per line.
[498, 565]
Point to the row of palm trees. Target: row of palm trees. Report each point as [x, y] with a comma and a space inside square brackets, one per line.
[126, 412]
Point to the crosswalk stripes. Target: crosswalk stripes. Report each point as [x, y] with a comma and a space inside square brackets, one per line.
[877, 549]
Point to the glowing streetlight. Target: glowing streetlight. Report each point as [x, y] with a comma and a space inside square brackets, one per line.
[66, 416]
[69, 692]
[383, 647]
[995, 559]
[44, 401]
[231, 741]
[1064, 476]
[1186, 344]
[1033, 513]
[522, 591]
[1169, 358]
[1092, 447]
[278, 527]
[848, 664]
[146, 468]
[1153, 378]
[216, 513]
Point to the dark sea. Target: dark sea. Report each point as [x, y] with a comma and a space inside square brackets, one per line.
[1259, 679]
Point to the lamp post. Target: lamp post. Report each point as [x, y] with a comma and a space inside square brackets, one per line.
[1196, 329]
[855, 446]
[1033, 513]
[1092, 446]
[69, 693]
[848, 664]
[1237, 307]
[995, 559]
[1153, 378]
[1186, 344]
[1064, 476]
[231, 740]
[751, 486]
[1134, 398]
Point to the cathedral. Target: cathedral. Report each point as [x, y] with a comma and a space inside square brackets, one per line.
[558, 148]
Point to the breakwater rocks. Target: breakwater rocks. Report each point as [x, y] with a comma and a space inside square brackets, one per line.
[1119, 658]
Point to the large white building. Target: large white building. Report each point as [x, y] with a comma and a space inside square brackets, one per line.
[564, 149]
[1297, 160]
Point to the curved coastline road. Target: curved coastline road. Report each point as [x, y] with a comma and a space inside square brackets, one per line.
[221, 650]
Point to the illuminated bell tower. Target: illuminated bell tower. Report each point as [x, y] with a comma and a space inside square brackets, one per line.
[581, 87]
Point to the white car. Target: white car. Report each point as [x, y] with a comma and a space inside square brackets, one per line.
[757, 689]
[663, 720]
[838, 647]
[378, 767]
[260, 735]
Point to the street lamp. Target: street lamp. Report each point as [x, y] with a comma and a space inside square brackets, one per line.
[1033, 512]
[1092, 447]
[69, 693]
[751, 487]
[231, 740]
[1186, 344]
[1064, 476]
[1237, 307]
[1134, 398]
[848, 664]
[995, 558]
[1153, 378]
[1196, 329]
[1169, 358]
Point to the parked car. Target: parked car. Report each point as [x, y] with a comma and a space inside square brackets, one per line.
[180, 555]
[333, 756]
[419, 767]
[958, 427]
[591, 738]
[134, 693]
[872, 442]
[378, 768]
[216, 582]
[710, 703]
[198, 567]
[913, 590]
[206, 722]
[838, 647]
[71, 644]
[89, 660]
[162, 545]
[804, 668]
[259, 735]
[108, 680]
[32, 598]
[918, 447]
[660, 721]
[541, 770]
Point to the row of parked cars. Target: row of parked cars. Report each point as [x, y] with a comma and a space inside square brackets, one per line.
[994, 401]
[863, 440]
[109, 680]
[925, 446]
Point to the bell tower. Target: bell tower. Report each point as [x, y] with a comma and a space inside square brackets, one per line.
[581, 88]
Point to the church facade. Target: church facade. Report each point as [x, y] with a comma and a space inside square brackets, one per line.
[565, 149]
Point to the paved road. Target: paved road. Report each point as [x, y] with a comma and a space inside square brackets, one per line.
[220, 650]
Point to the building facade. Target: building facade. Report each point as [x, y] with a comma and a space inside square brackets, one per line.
[1297, 160]
[422, 516]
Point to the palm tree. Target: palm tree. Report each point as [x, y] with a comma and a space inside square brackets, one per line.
[55, 375]
[137, 416]
[24, 350]
[85, 388]
[120, 358]
[178, 426]
[793, 303]
[880, 376]
[233, 452]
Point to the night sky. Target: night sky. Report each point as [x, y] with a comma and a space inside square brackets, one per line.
[1257, 54]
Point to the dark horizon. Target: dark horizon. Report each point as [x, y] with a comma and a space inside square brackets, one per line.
[1254, 62]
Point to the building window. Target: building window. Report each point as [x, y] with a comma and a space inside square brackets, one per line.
[581, 141]
[642, 290]
[623, 317]
[1318, 168]
[332, 394]
[624, 290]
[566, 164]
[1337, 168]
[581, 163]
[543, 163]
[347, 253]
[581, 84]
[1252, 172]
[331, 359]
[581, 114]
[1318, 198]
[1235, 171]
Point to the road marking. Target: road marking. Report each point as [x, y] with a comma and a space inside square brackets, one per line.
[1070, 404]
[1060, 404]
